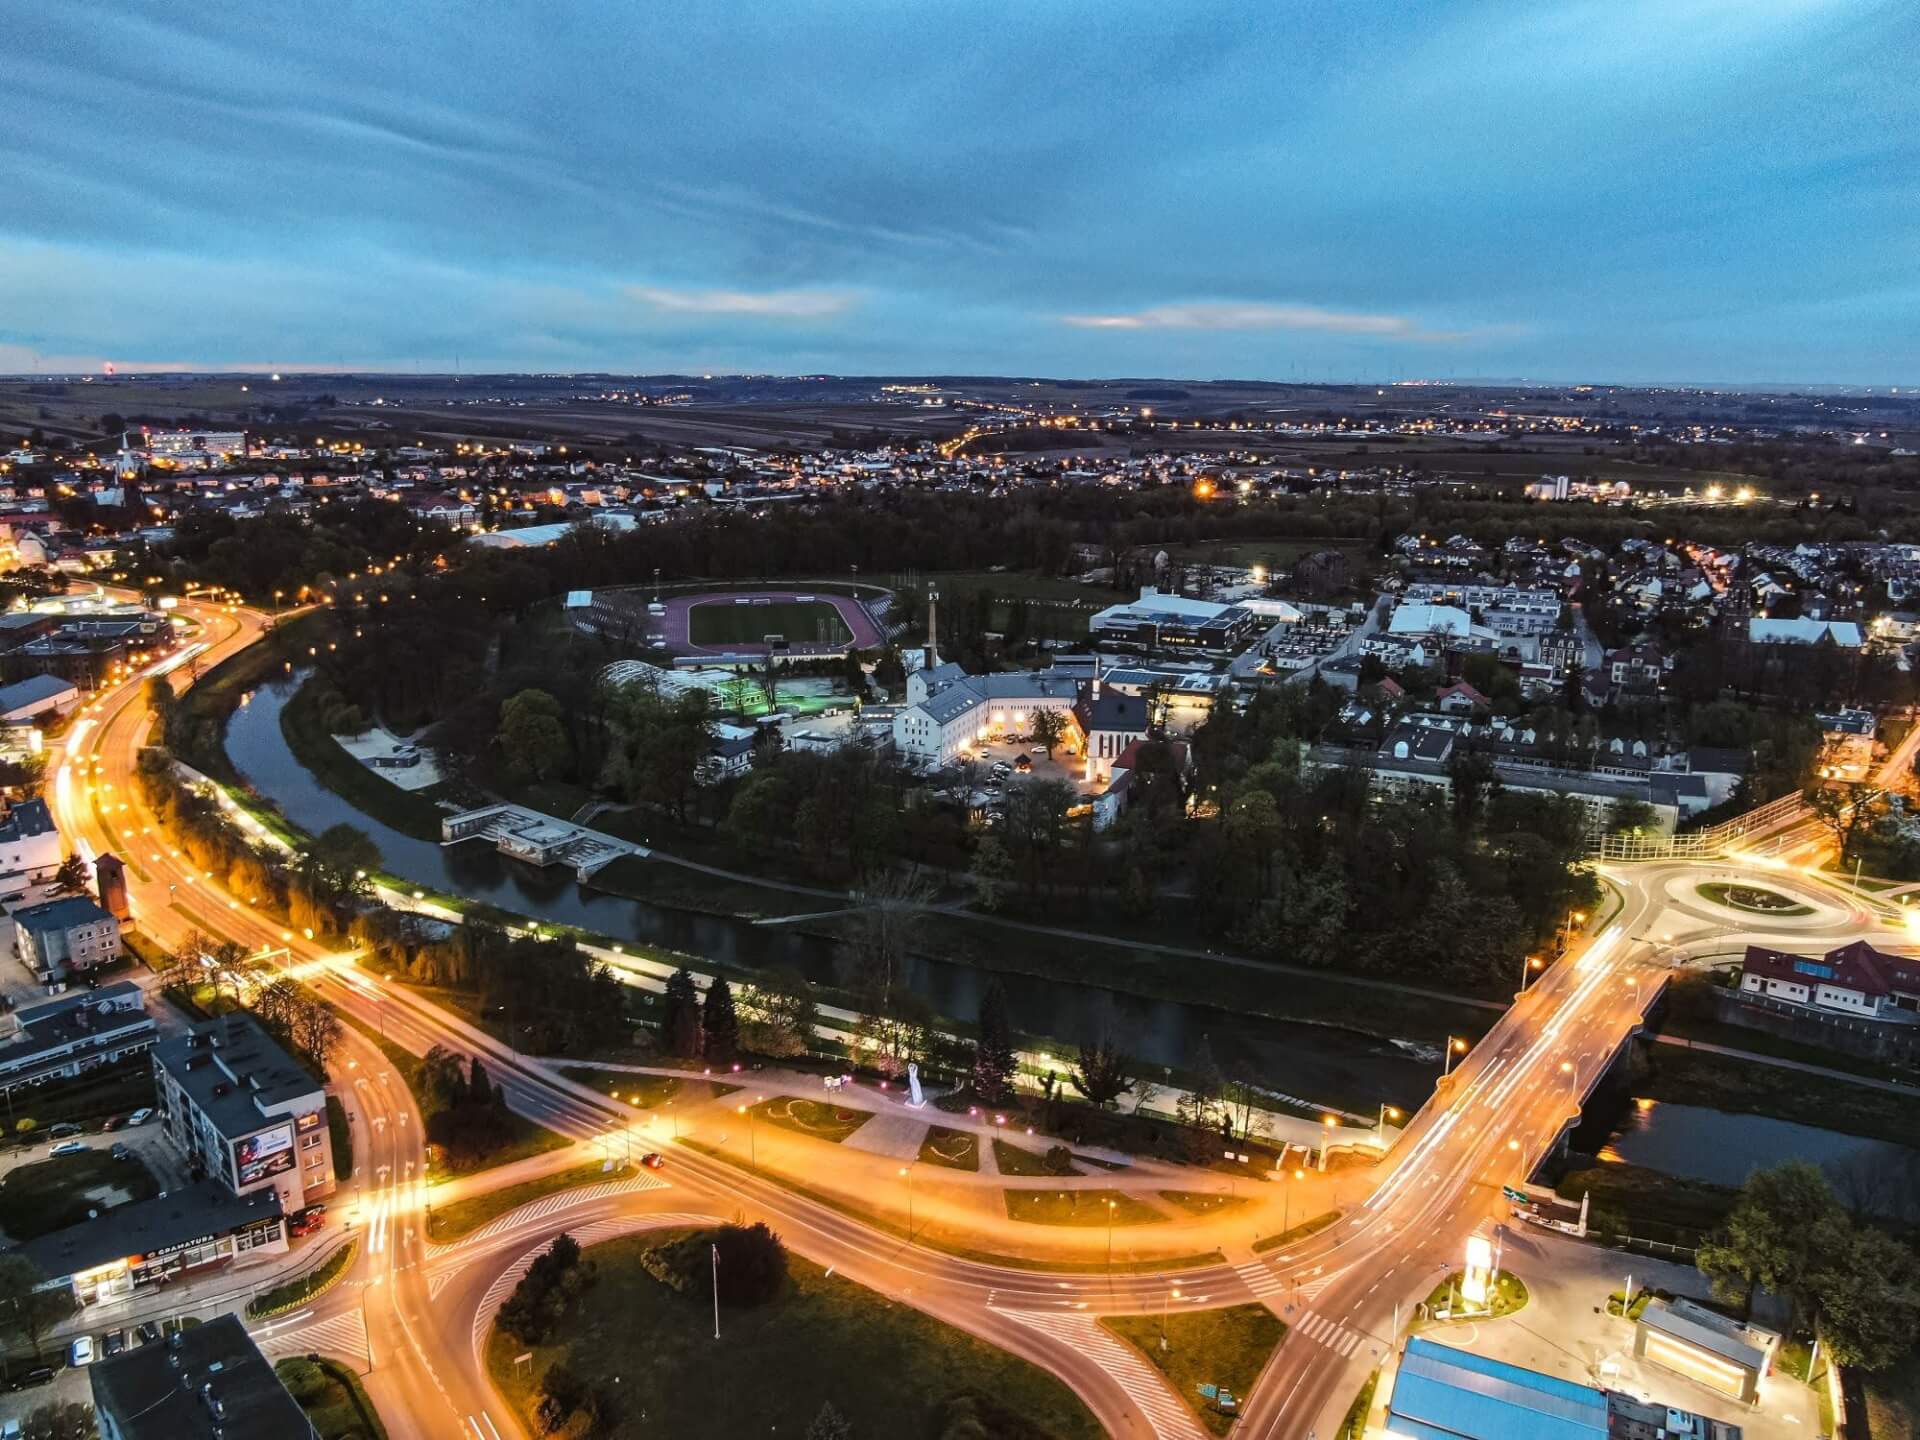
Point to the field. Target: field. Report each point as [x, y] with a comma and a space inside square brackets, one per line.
[726, 624]
[887, 1368]
[1226, 1347]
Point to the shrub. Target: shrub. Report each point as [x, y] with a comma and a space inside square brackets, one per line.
[1059, 1160]
[545, 1293]
[753, 1264]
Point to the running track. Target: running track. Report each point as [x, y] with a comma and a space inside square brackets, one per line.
[866, 635]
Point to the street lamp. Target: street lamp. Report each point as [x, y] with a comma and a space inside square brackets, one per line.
[1111, 1207]
[1455, 1046]
[1385, 1111]
[1165, 1302]
[1533, 963]
[1567, 1068]
[753, 1145]
[906, 1173]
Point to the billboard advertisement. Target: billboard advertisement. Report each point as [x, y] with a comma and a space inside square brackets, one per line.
[268, 1153]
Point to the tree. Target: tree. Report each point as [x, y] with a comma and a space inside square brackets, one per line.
[991, 869]
[73, 877]
[1869, 1294]
[680, 1019]
[993, 1058]
[532, 737]
[343, 856]
[752, 1263]
[1202, 1108]
[829, 1424]
[1103, 1073]
[777, 1014]
[479, 1088]
[316, 1032]
[25, 1309]
[719, 1022]
[1774, 1236]
[60, 1420]
[1049, 728]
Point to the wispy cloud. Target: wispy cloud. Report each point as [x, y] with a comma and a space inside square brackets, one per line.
[764, 304]
[1258, 315]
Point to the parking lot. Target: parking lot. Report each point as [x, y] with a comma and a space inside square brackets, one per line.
[1070, 768]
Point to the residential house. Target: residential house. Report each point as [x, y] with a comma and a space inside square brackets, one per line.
[1855, 980]
[58, 939]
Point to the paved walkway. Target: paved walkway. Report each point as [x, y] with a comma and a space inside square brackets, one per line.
[1894, 1087]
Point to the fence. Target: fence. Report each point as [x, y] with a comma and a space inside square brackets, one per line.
[1705, 844]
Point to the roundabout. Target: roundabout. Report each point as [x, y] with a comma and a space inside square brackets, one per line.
[1754, 899]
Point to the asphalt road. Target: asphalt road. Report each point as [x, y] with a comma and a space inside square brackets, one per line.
[422, 1309]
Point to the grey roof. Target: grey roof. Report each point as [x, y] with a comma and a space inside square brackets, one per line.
[1703, 1329]
[1008, 687]
[1111, 710]
[29, 817]
[169, 1221]
[208, 1381]
[57, 916]
[33, 688]
[233, 1056]
[66, 1023]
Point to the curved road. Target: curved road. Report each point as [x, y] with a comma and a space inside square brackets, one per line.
[422, 1307]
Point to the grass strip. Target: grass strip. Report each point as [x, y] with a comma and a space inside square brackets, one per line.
[1226, 1348]
[1086, 1208]
[963, 1252]
[1298, 1232]
[1354, 1427]
[1018, 1161]
[952, 1149]
[295, 1293]
[334, 1401]
[462, 1217]
[815, 1118]
[1201, 1202]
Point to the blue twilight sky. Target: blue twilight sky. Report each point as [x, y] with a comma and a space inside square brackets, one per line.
[1565, 189]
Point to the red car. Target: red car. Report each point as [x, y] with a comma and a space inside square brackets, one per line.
[307, 1221]
[653, 1160]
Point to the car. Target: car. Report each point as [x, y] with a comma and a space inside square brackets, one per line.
[653, 1160]
[39, 1375]
[62, 1130]
[81, 1351]
[114, 1122]
[120, 1152]
[116, 1341]
[69, 1147]
[140, 1116]
[148, 1333]
[305, 1222]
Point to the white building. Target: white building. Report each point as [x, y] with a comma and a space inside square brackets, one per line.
[1843, 633]
[948, 710]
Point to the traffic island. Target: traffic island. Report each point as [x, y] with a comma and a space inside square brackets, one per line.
[1449, 1303]
[1754, 899]
[647, 1347]
[1205, 1353]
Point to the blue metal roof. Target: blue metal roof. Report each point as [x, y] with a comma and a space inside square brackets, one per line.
[1441, 1393]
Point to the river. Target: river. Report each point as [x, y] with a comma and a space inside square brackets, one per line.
[1722, 1148]
[1321, 1063]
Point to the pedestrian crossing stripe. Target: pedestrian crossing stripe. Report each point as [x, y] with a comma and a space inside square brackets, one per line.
[1330, 1333]
[1165, 1411]
[344, 1335]
[1265, 1281]
[535, 1210]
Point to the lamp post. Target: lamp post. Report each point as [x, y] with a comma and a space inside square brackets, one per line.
[1385, 1111]
[1111, 1206]
[906, 1173]
[1166, 1301]
[1455, 1046]
[753, 1145]
[1532, 963]
[1567, 1068]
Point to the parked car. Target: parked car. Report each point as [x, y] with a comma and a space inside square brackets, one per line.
[148, 1333]
[305, 1222]
[653, 1160]
[121, 1152]
[114, 1122]
[81, 1351]
[39, 1375]
[62, 1130]
[69, 1147]
[140, 1116]
[116, 1341]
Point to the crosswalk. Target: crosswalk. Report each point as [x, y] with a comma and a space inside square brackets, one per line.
[1330, 1333]
[537, 1210]
[344, 1335]
[1267, 1281]
[1165, 1411]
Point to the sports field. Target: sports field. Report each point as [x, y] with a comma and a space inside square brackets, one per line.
[728, 623]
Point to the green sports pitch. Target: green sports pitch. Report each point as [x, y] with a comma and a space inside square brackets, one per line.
[799, 622]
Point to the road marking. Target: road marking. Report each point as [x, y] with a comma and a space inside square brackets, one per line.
[535, 1210]
[1165, 1411]
[1331, 1333]
[344, 1335]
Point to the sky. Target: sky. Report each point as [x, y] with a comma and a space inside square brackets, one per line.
[1603, 190]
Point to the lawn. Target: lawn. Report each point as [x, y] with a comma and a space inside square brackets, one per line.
[1355, 1425]
[52, 1194]
[1893, 1401]
[1509, 1295]
[335, 1403]
[810, 1117]
[722, 622]
[954, 1149]
[1079, 1208]
[1680, 1076]
[1015, 1160]
[450, 1221]
[889, 1369]
[1226, 1347]
[1202, 1202]
[1752, 898]
[1297, 1232]
[644, 1092]
[1651, 1205]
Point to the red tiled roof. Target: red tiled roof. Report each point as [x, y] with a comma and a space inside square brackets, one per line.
[1858, 967]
